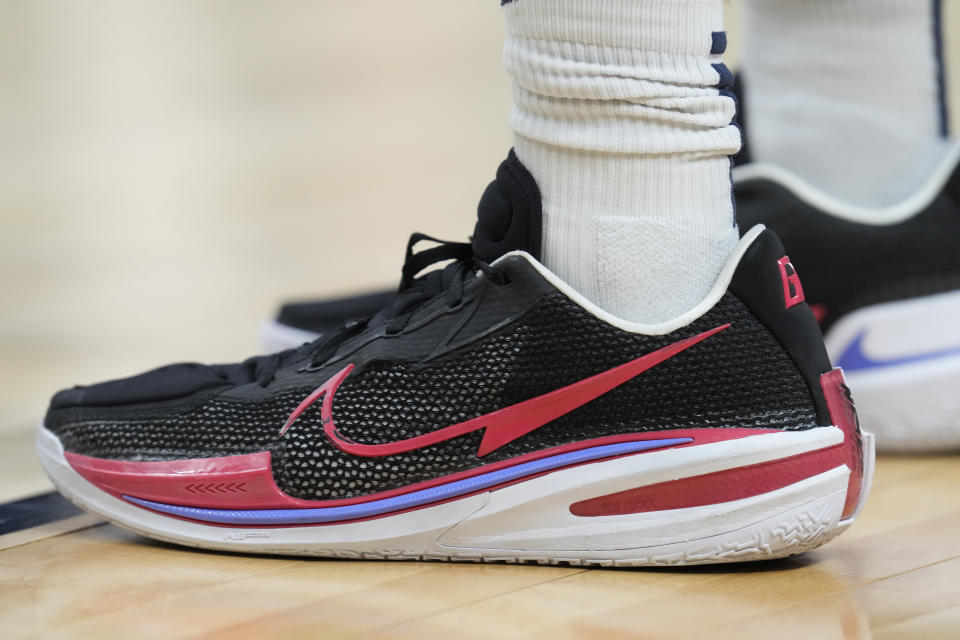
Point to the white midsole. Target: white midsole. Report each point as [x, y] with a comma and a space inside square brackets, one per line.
[532, 519]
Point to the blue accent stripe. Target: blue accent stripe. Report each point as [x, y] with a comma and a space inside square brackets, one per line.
[321, 515]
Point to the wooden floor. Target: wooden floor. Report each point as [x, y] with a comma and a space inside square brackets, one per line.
[169, 170]
[894, 574]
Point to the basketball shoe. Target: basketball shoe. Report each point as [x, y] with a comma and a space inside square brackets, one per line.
[885, 285]
[492, 413]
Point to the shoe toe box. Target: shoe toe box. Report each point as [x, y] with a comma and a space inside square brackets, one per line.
[166, 383]
[175, 412]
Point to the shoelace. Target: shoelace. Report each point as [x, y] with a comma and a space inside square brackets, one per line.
[414, 292]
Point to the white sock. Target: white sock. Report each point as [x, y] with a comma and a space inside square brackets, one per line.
[847, 94]
[618, 116]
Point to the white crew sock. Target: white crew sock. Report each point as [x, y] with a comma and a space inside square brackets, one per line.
[847, 94]
[619, 118]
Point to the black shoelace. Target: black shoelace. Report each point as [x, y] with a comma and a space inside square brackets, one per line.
[414, 292]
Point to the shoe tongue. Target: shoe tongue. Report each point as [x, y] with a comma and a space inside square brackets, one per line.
[509, 214]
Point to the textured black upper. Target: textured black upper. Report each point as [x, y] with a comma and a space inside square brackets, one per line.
[740, 377]
[848, 265]
[502, 343]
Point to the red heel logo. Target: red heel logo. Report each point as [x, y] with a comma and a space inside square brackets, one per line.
[792, 291]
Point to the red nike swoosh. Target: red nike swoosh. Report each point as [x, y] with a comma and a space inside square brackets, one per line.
[504, 425]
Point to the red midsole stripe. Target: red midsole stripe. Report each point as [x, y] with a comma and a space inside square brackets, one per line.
[246, 481]
[713, 488]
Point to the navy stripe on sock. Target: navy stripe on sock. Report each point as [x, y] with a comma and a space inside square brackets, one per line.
[719, 42]
[726, 78]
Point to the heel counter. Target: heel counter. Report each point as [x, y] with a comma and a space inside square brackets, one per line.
[857, 454]
[766, 282]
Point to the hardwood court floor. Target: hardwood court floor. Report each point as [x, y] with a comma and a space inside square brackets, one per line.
[170, 170]
[894, 574]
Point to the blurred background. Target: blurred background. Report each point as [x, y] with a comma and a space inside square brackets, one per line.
[171, 170]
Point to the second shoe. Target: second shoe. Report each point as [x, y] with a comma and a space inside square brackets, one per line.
[885, 285]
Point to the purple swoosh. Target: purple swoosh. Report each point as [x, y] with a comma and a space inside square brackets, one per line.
[854, 359]
[322, 515]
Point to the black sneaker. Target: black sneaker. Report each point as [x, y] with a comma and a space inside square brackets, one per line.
[299, 322]
[885, 285]
[492, 413]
